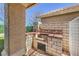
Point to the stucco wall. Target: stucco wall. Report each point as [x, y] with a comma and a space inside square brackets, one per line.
[60, 22]
[74, 37]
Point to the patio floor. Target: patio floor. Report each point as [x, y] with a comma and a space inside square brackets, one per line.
[33, 52]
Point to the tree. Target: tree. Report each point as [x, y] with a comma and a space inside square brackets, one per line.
[36, 20]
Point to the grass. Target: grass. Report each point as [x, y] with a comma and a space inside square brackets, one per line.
[1, 42]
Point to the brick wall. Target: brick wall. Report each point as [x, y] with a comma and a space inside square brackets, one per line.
[60, 22]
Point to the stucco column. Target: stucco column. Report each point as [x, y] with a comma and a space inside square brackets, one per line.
[14, 43]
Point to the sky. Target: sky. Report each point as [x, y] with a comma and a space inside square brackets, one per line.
[43, 8]
[39, 8]
[1, 13]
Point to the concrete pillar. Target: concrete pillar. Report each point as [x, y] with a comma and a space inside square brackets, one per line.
[14, 43]
[74, 37]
